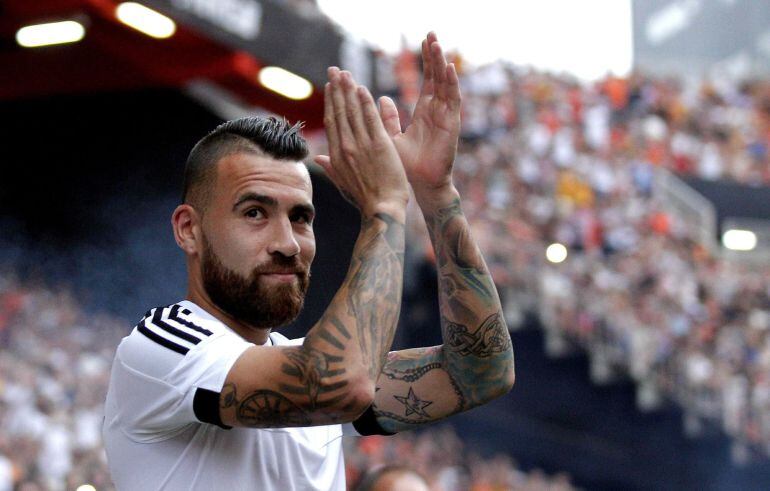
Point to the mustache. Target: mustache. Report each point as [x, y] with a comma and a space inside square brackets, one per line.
[282, 264]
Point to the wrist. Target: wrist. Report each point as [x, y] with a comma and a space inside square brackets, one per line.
[395, 209]
[431, 200]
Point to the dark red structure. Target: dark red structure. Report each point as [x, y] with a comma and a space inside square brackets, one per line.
[113, 56]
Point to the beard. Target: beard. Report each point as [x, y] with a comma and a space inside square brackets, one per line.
[248, 299]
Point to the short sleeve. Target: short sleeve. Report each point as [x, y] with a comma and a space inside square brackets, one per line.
[159, 393]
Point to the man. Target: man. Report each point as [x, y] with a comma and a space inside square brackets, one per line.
[204, 395]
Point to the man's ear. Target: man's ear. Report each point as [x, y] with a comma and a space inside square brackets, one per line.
[186, 224]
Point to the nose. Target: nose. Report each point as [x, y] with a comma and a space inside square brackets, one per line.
[283, 240]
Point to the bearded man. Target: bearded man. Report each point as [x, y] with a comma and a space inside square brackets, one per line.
[204, 394]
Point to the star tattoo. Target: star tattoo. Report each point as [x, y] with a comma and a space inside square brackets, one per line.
[413, 404]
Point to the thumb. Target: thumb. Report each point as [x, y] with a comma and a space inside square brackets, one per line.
[322, 160]
[326, 164]
[389, 116]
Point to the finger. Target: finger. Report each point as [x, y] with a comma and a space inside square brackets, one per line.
[330, 123]
[353, 107]
[427, 76]
[453, 86]
[389, 116]
[374, 125]
[344, 131]
[427, 68]
[439, 71]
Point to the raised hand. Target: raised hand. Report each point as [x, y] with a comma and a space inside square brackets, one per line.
[363, 162]
[428, 146]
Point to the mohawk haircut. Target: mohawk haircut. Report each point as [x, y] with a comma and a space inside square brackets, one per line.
[263, 136]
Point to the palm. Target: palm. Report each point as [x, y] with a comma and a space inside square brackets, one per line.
[428, 146]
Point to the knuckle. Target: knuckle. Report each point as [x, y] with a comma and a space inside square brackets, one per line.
[328, 120]
[349, 151]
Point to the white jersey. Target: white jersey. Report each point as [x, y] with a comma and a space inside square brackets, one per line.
[162, 401]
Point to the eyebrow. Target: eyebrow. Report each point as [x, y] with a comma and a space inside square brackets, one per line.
[307, 208]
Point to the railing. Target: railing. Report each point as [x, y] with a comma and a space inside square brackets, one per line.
[693, 211]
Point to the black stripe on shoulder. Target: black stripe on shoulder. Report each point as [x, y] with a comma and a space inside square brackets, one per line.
[142, 328]
[157, 320]
[174, 315]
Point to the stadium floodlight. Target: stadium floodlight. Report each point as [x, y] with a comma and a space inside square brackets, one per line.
[739, 240]
[145, 20]
[285, 83]
[51, 33]
[556, 253]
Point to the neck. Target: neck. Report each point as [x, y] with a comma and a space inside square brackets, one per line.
[252, 334]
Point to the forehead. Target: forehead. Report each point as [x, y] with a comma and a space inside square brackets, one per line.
[247, 171]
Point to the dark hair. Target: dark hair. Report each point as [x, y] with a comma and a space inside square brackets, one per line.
[272, 136]
[371, 478]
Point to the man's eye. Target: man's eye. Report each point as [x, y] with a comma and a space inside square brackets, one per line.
[302, 219]
[255, 213]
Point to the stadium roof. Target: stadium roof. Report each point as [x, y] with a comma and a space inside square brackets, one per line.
[207, 49]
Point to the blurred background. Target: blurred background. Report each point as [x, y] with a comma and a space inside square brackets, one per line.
[614, 165]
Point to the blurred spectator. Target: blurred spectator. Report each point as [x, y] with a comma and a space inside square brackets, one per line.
[392, 478]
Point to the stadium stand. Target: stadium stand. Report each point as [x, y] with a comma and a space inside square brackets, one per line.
[545, 159]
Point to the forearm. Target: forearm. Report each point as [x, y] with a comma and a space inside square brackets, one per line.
[359, 324]
[477, 346]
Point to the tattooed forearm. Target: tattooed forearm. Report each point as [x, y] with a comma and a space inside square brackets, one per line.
[313, 371]
[488, 340]
[477, 345]
[374, 292]
[420, 390]
[423, 361]
[264, 408]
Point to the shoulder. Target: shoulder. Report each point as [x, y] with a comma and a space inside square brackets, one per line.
[166, 335]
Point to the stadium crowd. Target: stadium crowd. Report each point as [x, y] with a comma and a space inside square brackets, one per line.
[439, 455]
[54, 367]
[544, 159]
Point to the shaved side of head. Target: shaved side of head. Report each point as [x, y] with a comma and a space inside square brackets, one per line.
[264, 136]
